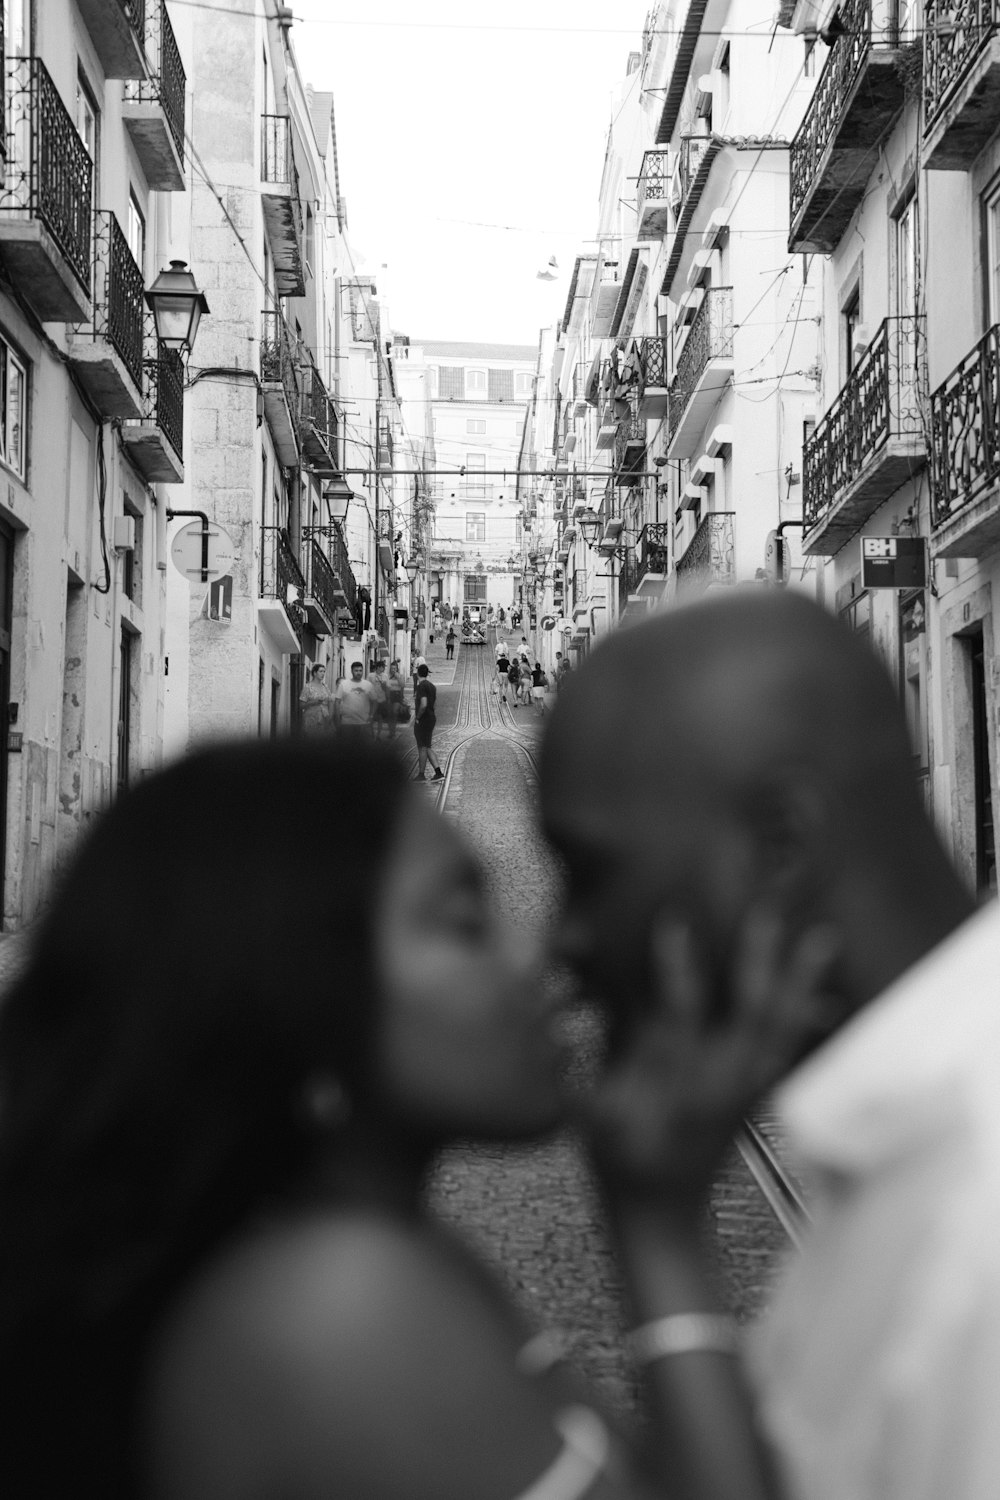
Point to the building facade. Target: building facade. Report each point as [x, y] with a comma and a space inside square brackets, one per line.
[91, 453]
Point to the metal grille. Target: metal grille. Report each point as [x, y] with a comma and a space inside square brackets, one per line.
[319, 415]
[654, 179]
[628, 578]
[711, 337]
[711, 557]
[280, 575]
[883, 398]
[277, 355]
[48, 173]
[653, 361]
[654, 549]
[955, 32]
[118, 293]
[167, 80]
[276, 149]
[965, 431]
[630, 440]
[165, 395]
[821, 119]
[321, 582]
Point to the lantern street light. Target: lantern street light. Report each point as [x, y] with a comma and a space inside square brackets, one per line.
[589, 524]
[338, 495]
[412, 566]
[177, 306]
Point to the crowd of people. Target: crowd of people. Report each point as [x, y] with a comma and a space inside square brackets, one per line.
[219, 1275]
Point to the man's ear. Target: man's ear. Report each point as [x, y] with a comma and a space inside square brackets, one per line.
[786, 813]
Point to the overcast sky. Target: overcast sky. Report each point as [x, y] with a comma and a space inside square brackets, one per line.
[455, 117]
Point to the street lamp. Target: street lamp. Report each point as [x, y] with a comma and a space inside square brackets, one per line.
[177, 306]
[338, 495]
[412, 566]
[589, 524]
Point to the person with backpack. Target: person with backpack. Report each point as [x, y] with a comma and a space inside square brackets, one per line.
[539, 682]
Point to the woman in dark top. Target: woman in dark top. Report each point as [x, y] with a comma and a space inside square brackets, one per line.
[224, 1076]
[424, 720]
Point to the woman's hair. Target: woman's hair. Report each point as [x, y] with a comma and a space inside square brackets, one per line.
[150, 1062]
[319, 666]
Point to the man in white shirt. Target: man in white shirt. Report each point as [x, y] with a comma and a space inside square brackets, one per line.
[767, 785]
[354, 703]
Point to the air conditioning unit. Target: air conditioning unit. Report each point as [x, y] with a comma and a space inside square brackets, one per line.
[123, 534]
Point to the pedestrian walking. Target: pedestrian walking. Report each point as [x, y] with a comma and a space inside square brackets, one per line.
[424, 720]
[395, 692]
[416, 662]
[354, 705]
[316, 702]
[513, 680]
[503, 668]
[380, 711]
[539, 682]
[449, 643]
[524, 682]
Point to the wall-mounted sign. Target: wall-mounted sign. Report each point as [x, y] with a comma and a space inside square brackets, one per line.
[202, 553]
[893, 562]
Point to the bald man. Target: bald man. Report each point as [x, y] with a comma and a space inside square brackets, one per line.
[771, 767]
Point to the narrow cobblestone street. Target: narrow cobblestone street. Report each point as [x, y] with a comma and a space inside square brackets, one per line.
[533, 1213]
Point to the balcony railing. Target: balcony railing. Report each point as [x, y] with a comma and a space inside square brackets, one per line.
[630, 445]
[280, 377]
[961, 78]
[653, 361]
[165, 394]
[871, 437]
[965, 447]
[118, 293]
[322, 596]
[318, 417]
[167, 81]
[654, 193]
[107, 353]
[48, 175]
[859, 92]
[654, 550]
[277, 163]
[628, 578]
[281, 577]
[694, 150]
[710, 557]
[710, 338]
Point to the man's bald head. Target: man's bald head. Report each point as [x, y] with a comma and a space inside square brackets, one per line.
[744, 745]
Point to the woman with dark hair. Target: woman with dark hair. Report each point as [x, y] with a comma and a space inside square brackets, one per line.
[217, 1279]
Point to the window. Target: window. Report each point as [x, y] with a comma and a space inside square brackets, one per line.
[501, 385]
[475, 484]
[16, 14]
[475, 427]
[474, 588]
[13, 396]
[912, 638]
[857, 615]
[310, 242]
[905, 255]
[132, 560]
[475, 382]
[451, 382]
[86, 116]
[850, 318]
[523, 381]
[475, 526]
[991, 252]
[136, 232]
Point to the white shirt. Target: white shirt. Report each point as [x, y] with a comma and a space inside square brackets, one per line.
[879, 1361]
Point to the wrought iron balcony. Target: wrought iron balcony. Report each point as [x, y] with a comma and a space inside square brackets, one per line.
[107, 352]
[155, 442]
[710, 556]
[630, 445]
[317, 419]
[654, 556]
[704, 370]
[653, 384]
[694, 163]
[653, 197]
[321, 598]
[153, 107]
[280, 610]
[116, 29]
[46, 202]
[607, 429]
[344, 583]
[871, 439]
[961, 79]
[628, 578]
[282, 205]
[860, 92]
[965, 454]
[279, 376]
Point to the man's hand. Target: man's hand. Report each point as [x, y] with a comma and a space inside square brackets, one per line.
[661, 1119]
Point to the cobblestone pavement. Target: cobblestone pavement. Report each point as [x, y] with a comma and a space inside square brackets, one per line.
[533, 1213]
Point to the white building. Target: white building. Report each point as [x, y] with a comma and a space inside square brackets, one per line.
[92, 427]
[477, 395]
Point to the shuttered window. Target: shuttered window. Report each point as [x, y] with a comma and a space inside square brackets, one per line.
[501, 387]
[451, 382]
